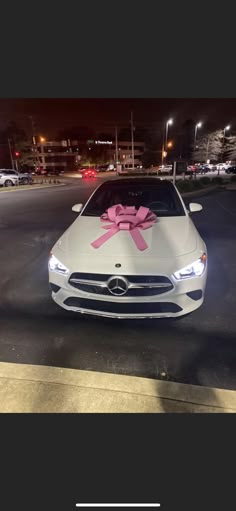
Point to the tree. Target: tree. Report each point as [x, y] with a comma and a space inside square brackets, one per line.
[230, 148]
[209, 147]
[14, 136]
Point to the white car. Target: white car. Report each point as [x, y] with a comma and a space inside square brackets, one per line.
[222, 166]
[8, 177]
[118, 279]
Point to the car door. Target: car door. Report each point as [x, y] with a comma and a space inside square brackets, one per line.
[12, 174]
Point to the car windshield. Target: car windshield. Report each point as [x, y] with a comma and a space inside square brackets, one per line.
[161, 198]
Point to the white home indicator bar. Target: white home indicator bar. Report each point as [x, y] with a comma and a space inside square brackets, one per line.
[118, 505]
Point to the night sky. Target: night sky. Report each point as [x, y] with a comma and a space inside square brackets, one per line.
[53, 115]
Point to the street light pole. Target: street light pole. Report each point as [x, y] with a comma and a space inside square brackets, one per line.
[9, 144]
[35, 150]
[132, 139]
[224, 130]
[164, 152]
[167, 124]
[163, 147]
[223, 142]
[207, 149]
[198, 125]
[116, 150]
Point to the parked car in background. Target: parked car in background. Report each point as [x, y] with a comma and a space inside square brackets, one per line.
[164, 169]
[192, 169]
[102, 168]
[204, 168]
[231, 169]
[10, 177]
[47, 172]
[25, 178]
[222, 166]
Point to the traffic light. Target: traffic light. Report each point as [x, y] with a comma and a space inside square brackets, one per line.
[17, 154]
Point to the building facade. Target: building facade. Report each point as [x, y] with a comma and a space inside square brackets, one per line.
[57, 156]
[67, 155]
[125, 154]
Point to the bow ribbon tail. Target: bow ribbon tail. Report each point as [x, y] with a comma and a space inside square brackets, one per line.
[105, 237]
[138, 239]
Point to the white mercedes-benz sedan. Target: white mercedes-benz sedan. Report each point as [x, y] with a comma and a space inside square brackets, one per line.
[132, 252]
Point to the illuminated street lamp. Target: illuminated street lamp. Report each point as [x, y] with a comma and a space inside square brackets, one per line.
[227, 128]
[197, 126]
[42, 139]
[170, 144]
[164, 147]
[169, 123]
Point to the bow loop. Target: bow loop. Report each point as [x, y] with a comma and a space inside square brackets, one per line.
[126, 218]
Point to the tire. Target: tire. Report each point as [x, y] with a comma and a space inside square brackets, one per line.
[8, 182]
[25, 181]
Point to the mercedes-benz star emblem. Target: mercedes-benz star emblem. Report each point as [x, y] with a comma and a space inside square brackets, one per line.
[117, 286]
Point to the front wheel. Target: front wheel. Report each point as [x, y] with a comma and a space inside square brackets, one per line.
[8, 182]
[25, 181]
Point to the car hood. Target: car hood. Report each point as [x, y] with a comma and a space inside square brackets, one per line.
[167, 239]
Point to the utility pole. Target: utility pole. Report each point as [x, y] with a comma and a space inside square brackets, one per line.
[132, 139]
[117, 157]
[207, 151]
[10, 151]
[163, 149]
[34, 142]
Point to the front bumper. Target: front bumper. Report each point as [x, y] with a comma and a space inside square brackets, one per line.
[185, 297]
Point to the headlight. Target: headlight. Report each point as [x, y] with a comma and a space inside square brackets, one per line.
[196, 269]
[55, 265]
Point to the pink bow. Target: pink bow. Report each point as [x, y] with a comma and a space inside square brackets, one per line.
[126, 218]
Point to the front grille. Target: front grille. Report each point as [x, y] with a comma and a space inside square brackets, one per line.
[138, 285]
[123, 308]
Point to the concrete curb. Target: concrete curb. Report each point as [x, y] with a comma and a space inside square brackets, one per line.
[33, 388]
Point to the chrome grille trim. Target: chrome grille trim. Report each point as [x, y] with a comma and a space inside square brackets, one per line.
[100, 287]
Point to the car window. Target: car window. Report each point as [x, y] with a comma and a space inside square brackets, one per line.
[162, 200]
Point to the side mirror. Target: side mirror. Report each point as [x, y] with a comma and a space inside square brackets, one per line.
[77, 208]
[194, 207]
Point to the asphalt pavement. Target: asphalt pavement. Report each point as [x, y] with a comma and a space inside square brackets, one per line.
[199, 349]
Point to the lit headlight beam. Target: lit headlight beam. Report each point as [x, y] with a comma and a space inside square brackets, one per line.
[55, 265]
[195, 269]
